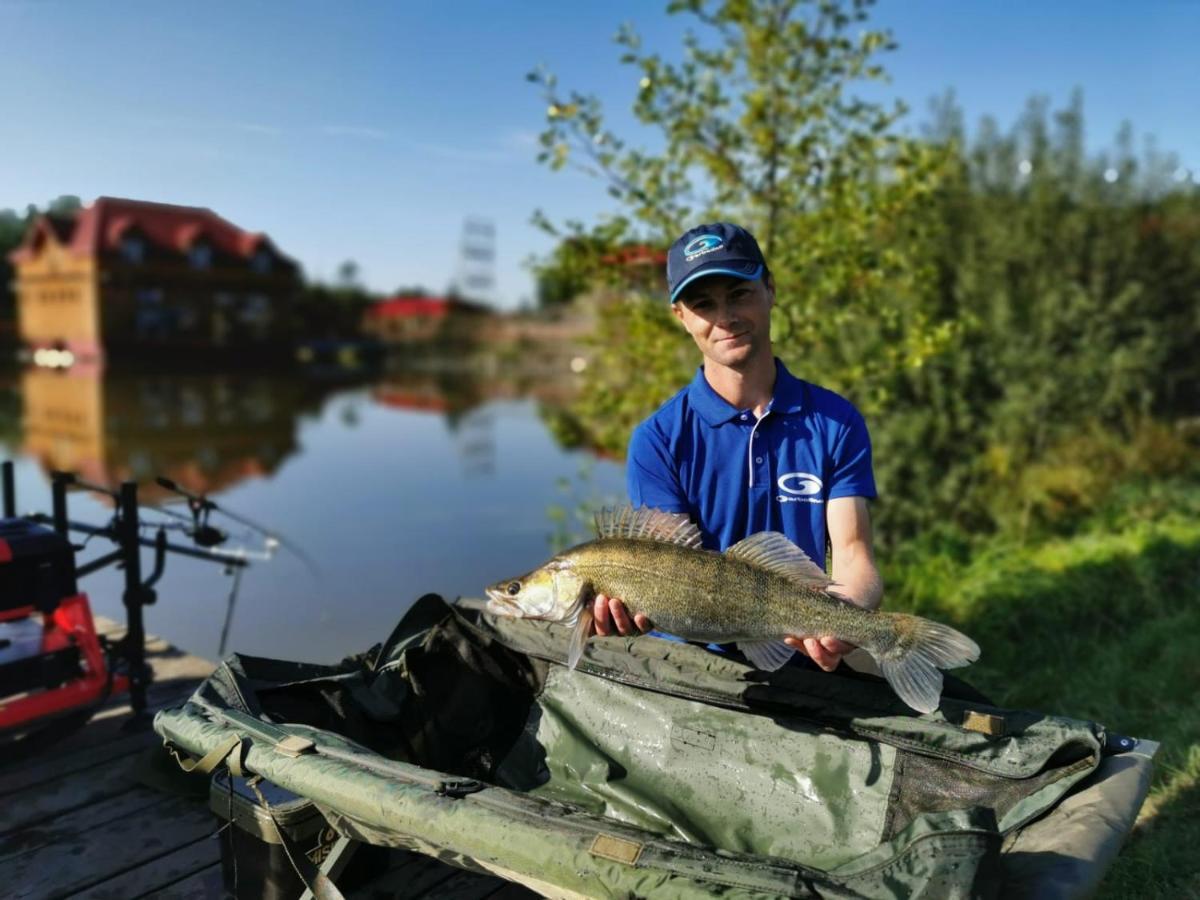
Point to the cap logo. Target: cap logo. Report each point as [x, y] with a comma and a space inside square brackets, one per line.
[697, 247]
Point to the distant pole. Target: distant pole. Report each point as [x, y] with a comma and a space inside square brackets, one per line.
[9, 489]
[476, 279]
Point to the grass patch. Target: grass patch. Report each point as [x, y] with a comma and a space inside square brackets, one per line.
[1102, 625]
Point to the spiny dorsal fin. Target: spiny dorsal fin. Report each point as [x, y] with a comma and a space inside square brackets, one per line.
[770, 550]
[648, 524]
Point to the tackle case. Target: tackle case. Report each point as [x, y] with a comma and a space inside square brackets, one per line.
[37, 567]
[254, 856]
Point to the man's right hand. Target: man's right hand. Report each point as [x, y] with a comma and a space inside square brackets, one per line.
[611, 617]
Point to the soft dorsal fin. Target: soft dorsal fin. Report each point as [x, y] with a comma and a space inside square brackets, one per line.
[648, 524]
[770, 550]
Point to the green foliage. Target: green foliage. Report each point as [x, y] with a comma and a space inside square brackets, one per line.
[1103, 625]
[576, 265]
[1071, 304]
[999, 306]
[759, 123]
[324, 311]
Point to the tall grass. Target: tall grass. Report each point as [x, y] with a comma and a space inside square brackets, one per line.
[1103, 625]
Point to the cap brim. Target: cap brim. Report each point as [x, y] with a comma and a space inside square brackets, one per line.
[747, 271]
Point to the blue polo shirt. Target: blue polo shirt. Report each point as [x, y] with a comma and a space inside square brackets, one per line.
[736, 475]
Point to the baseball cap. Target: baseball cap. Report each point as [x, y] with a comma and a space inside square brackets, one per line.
[716, 249]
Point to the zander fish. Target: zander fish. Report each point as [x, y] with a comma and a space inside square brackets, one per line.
[755, 593]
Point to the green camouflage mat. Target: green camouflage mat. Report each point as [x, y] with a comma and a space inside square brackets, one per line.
[661, 769]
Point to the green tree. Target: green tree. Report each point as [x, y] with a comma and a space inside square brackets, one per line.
[758, 122]
[1073, 284]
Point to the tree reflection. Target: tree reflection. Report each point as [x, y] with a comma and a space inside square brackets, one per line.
[205, 432]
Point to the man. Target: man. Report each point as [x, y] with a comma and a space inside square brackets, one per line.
[748, 447]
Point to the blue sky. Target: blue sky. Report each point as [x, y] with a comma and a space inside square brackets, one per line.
[371, 130]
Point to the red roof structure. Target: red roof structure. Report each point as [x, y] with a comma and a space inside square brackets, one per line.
[637, 255]
[421, 307]
[99, 229]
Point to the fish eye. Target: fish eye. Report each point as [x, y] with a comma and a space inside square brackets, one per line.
[514, 588]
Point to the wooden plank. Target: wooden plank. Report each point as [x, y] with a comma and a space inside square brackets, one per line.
[84, 858]
[112, 721]
[138, 801]
[78, 821]
[203, 885]
[45, 801]
[513, 891]
[162, 876]
[14, 778]
[473, 886]
[429, 881]
[414, 876]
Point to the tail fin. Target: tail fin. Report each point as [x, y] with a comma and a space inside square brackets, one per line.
[921, 647]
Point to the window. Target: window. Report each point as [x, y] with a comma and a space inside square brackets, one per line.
[200, 256]
[133, 248]
[256, 310]
[261, 262]
[151, 318]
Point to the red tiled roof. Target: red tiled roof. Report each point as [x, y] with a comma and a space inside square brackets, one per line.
[420, 306]
[98, 229]
[637, 254]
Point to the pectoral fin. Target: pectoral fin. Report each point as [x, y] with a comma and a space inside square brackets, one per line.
[579, 637]
[766, 655]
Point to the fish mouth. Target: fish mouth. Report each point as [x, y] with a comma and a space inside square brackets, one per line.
[500, 602]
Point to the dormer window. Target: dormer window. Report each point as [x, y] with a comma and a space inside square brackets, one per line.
[133, 248]
[200, 256]
[261, 262]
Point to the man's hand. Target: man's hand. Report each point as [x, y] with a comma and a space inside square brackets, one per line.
[612, 617]
[826, 652]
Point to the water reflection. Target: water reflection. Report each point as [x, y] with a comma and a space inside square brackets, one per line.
[455, 392]
[413, 482]
[207, 433]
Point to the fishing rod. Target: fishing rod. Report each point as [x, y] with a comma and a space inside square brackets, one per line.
[208, 535]
[125, 531]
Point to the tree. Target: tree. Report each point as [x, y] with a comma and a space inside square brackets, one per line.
[347, 274]
[759, 123]
[1013, 316]
[64, 205]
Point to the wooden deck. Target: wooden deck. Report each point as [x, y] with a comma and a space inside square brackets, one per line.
[76, 822]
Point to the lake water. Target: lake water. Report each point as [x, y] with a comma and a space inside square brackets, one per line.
[393, 488]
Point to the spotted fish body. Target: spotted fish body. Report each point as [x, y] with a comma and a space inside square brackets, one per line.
[755, 593]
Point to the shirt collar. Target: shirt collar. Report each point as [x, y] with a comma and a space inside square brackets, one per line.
[788, 397]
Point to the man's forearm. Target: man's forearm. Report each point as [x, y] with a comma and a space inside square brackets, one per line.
[858, 579]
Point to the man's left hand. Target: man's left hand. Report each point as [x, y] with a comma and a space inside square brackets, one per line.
[826, 652]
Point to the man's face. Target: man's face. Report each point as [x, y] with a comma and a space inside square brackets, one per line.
[728, 318]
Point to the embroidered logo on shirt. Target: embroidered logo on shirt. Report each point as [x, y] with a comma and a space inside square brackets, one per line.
[799, 487]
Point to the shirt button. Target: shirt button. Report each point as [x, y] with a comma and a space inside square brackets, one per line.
[759, 460]
[744, 417]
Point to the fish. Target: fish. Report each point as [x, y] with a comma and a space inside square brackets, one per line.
[758, 591]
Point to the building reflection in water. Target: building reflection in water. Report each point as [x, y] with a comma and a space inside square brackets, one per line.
[205, 432]
[208, 432]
